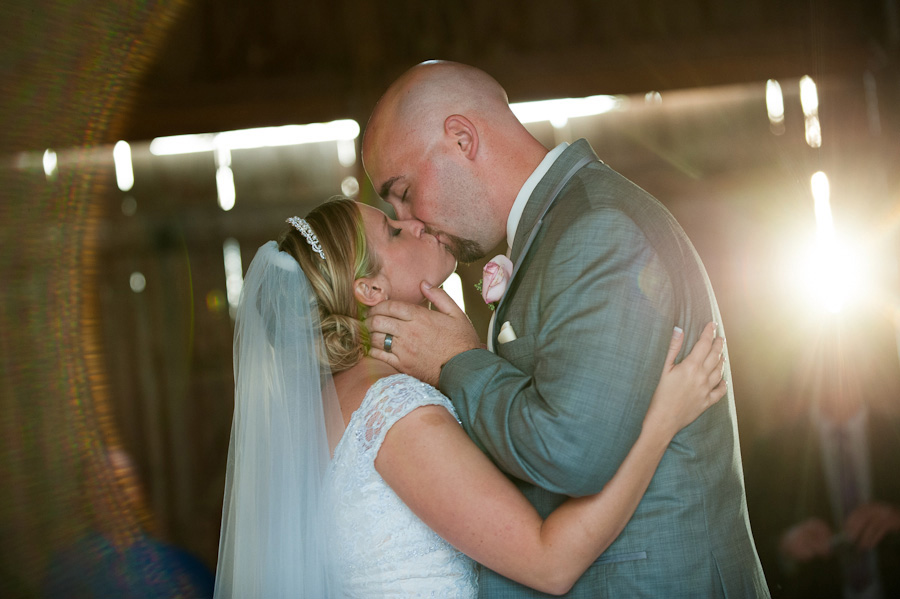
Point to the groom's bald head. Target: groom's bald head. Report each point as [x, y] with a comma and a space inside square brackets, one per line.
[417, 103]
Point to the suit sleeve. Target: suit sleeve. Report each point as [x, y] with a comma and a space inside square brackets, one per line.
[605, 321]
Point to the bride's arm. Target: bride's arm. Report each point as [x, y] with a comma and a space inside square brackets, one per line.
[428, 460]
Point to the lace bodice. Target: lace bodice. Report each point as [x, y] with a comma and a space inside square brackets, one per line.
[383, 548]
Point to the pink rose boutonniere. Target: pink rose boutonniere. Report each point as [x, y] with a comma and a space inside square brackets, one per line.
[495, 278]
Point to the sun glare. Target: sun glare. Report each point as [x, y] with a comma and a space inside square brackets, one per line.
[833, 272]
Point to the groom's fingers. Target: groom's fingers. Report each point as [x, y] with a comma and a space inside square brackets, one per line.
[381, 325]
[423, 339]
[392, 309]
[380, 354]
[377, 337]
[388, 317]
[376, 340]
[441, 301]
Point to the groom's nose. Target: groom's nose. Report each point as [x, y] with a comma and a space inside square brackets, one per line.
[416, 227]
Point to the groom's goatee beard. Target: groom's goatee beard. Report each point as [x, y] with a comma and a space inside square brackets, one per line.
[464, 250]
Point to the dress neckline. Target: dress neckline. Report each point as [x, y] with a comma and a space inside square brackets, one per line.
[371, 392]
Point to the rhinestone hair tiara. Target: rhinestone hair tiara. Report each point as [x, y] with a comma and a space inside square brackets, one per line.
[310, 235]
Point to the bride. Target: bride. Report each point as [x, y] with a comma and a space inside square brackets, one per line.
[347, 479]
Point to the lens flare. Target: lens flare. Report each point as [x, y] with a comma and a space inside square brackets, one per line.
[833, 272]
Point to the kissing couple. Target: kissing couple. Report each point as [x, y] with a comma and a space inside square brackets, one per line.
[378, 449]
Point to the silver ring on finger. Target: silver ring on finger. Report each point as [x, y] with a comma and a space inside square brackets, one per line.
[388, 342]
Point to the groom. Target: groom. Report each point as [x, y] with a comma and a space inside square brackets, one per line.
[603, 274]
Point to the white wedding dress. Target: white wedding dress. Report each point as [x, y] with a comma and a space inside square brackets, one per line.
[384, 550]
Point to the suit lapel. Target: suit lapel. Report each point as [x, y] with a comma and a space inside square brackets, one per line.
[572, 155]
[570, 161]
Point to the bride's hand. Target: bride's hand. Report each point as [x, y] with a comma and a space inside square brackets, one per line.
[688, 388]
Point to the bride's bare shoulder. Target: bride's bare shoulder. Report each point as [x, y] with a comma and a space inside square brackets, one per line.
[353, 384]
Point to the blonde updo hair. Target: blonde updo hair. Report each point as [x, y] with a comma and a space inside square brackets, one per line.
[339, 226]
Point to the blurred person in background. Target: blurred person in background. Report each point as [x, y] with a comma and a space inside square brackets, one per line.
[824, 488]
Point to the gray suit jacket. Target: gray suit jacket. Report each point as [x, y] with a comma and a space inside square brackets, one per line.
[593, 305]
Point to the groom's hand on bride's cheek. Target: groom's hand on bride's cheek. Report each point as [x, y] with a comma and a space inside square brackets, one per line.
[423, 340]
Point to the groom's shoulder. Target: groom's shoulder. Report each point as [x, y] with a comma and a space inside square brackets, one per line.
[601, 196]
[585, 228]
[601, 218]
[599, 185]
[597, 197]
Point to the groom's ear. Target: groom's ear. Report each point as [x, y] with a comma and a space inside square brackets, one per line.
[464, 134]
[371, 290]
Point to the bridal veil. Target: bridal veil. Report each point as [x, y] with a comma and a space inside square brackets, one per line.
[275, 518]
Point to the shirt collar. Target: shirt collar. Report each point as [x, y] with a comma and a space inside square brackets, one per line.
[518, 207]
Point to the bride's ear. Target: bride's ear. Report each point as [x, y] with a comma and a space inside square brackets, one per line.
[371, 290]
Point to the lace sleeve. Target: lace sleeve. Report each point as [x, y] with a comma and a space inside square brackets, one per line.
[384, 550]
[389, 400]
